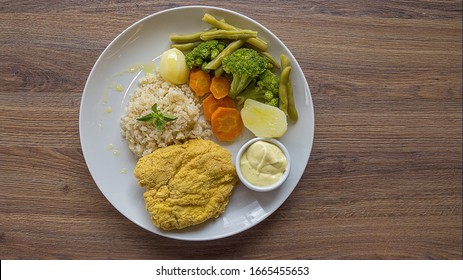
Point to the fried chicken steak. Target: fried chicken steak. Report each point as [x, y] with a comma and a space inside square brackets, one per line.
[186, 184]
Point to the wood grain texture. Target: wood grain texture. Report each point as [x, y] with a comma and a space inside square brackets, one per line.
[384, 180]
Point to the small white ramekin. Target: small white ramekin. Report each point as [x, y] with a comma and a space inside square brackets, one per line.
[262, 188]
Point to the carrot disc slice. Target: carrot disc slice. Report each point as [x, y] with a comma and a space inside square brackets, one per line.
[200, 81]
[210, 104]
[220, 86]
[226, 124]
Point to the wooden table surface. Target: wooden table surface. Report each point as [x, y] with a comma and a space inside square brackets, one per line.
[384, 179]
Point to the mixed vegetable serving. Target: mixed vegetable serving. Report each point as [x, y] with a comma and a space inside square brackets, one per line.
[240, 83]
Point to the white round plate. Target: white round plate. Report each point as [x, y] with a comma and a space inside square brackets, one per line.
[114, 77]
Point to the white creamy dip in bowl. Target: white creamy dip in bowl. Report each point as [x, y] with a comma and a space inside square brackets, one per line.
[263, 164]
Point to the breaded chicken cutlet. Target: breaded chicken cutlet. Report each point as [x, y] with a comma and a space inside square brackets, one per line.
[186, 184]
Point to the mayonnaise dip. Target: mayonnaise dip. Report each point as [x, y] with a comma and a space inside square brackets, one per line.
[263, 163]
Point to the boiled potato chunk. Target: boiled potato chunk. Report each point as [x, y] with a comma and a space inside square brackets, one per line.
[263, 120]
[173, 67]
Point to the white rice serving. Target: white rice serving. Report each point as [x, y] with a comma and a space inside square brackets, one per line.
[143, 137]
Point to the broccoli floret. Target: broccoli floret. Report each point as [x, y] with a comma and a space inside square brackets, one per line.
[269, 81]
[263, 89]
[204, 53]
[245, 65]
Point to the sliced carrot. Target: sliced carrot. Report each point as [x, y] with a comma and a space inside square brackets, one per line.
[220, 87]
[210, 104]
[200, 81]
[226, 124]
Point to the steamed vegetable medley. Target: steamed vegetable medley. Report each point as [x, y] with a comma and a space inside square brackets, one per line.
[240, 82]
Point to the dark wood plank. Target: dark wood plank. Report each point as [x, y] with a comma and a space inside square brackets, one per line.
[384, 180]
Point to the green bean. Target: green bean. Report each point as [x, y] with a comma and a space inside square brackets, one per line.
[283, 89]
[228, 34]
[260, 44]
[292, 111]
[271, 59]
[218, 71]
[284, 60]
[186, 38]
[186, 46]
[217, 61]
